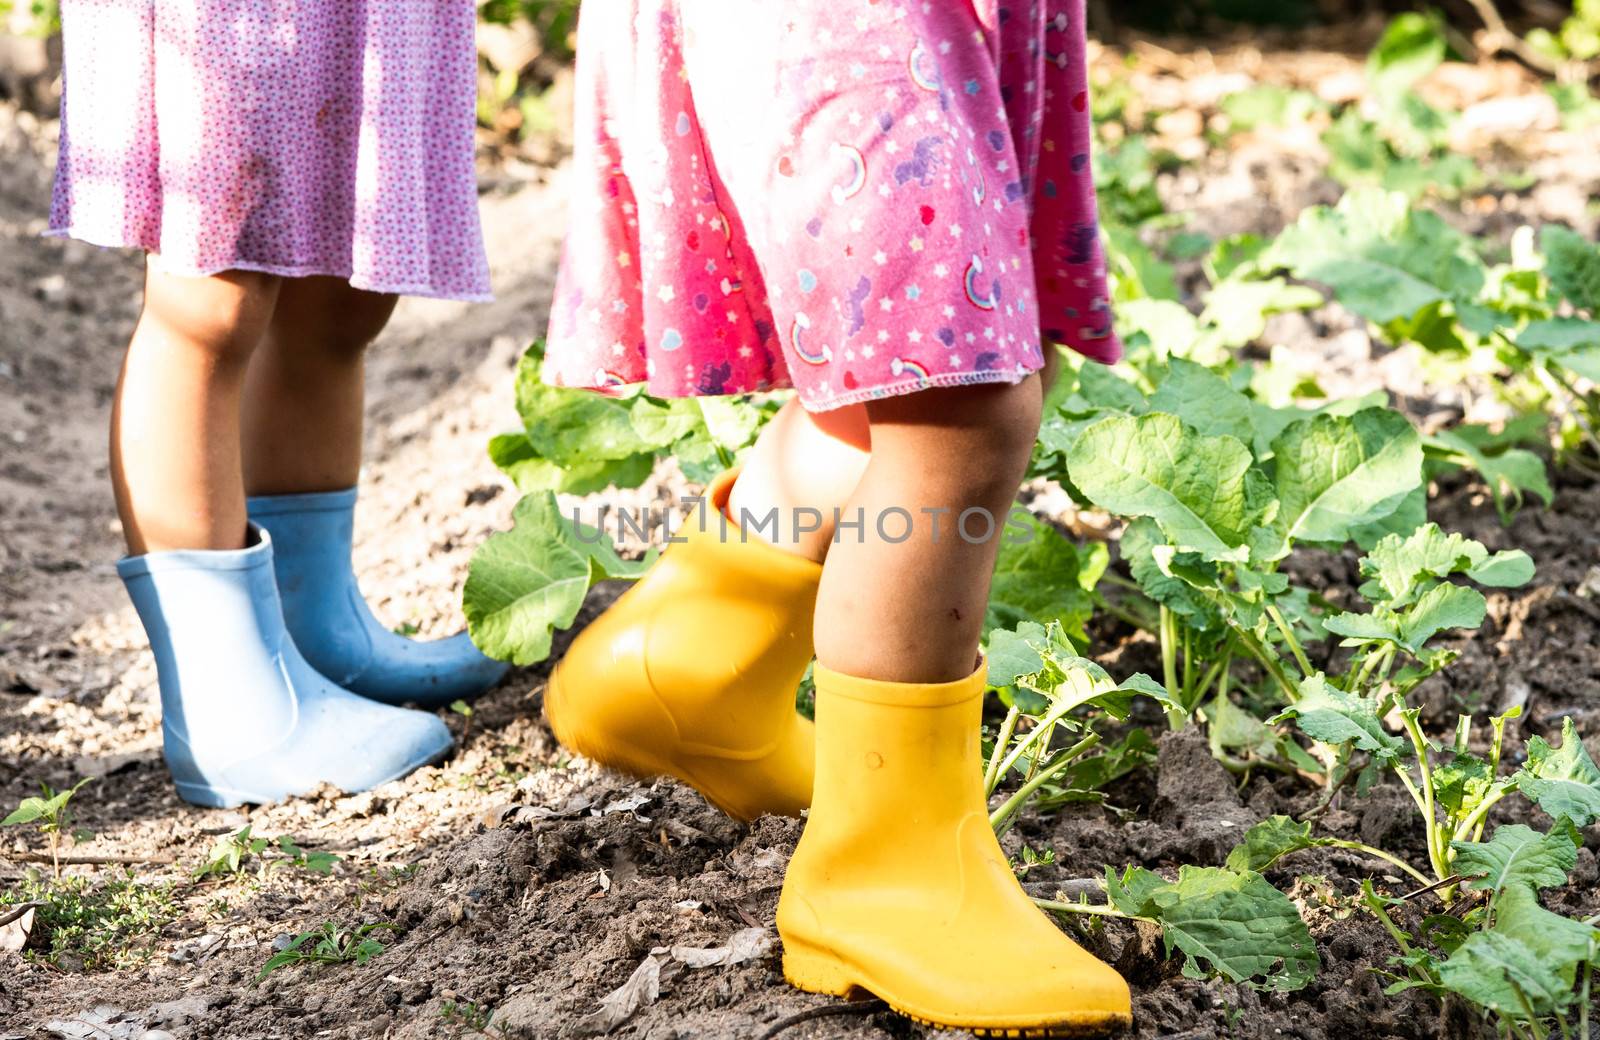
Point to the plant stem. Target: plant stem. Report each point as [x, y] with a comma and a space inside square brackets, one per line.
[1089, 909]
[1401, 938]
[1356, 846]
[1001, 818]
[1438, 852]
[1169, 666]
[1127, 617]
[1527, 1009]
[1269, 661]
[991, 775]
[1288, 637]
[55, 854]
[1573, 408]
[1478, 816]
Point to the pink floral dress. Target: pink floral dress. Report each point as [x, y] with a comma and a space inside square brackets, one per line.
[856, 198]
[295, 137]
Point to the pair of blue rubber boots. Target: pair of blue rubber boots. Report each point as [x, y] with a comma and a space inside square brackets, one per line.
[275, 676]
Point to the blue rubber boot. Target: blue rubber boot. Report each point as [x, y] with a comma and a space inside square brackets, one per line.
[244, 718]
[332, 624]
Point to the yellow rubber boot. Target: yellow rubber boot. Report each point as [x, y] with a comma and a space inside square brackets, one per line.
[899, 887]
[692, 673]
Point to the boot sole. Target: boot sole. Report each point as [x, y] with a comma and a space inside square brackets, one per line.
[816, 972]
[620, 757]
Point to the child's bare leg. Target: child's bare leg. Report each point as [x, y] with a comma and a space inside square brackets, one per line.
[801, 469]
[912, 611]
[303, 396]
[175, 419]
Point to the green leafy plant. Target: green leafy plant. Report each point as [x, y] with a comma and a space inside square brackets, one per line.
[525, 583]
[468, 1016]
[1499, 948]
[1403, 145]
[1226, 922]
[1532, 323]
[1047, 688]
[230, 853]
[579, 442]
[109, 924]
[330, 943]
[51, 813]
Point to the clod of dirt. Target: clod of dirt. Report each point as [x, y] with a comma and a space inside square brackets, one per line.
[1197, 816]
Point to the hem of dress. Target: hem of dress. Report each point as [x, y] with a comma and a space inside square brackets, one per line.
[911, 386]
[871, 393]
[280, 270]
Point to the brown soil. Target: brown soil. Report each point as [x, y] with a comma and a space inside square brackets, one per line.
[533, 884]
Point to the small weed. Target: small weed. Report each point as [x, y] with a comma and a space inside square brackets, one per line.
[463, 709]
[328, 943]
[1032, 858]
[53, 816]
[229, 854]
[465, 1015]
[110, 925]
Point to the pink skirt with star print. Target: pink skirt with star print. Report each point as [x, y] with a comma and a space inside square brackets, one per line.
[855, 198]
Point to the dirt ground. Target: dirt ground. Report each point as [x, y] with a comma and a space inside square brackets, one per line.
[526, 882]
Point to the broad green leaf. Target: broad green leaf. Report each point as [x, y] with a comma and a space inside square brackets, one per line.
[1564, 781]
[1041, 576]
[1440, 608]
[1010, 655]
[574, 427]
[1412, 46]
[1497, 972]
[1230, 923]
[517, 458]
[1518, 855]
[1411, 514]
[1132, 892]
[1573, 263]
[663, 423]
[1510, 472]
[1363, 627]
[1337, 472]
[28, 810]
[1237, 310]
[1140, 540]
[1461, 781]
[1331, 715]
[1557, 336]
[1398, 563]
[1386, 261]
[1194, 486]
[1269, 841]
[1204, 400]
[528, 581]
[1402, 568]
[1529, 955]
[1100, 386]
[731, 422]
[1509, 569]
[1563, 942]
[1374, 289]
[1234, 728]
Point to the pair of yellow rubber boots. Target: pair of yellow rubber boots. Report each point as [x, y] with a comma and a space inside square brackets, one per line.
[898, 886]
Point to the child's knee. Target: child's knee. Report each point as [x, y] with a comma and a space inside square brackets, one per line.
[993, 426]
[224, 315]
[326, 319]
